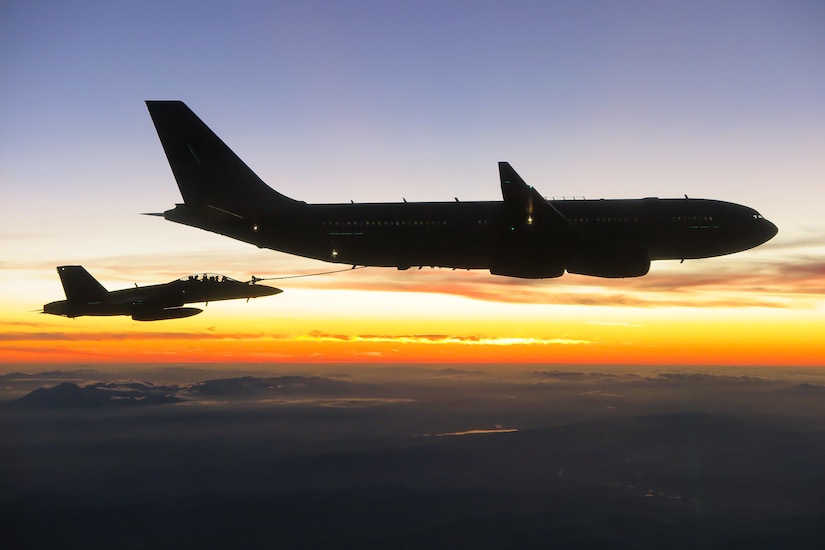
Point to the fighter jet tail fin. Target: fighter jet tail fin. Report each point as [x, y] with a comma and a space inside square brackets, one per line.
[208, 172]
[80, 286]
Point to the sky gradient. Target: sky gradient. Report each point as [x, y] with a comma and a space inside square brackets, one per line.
[375, 101]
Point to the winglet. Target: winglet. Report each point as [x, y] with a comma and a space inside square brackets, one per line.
[509, 179]
[524, 201]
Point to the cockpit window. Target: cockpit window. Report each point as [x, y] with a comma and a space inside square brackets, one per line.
[757, 216]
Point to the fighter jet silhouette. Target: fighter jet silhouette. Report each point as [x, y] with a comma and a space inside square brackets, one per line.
[86, 296]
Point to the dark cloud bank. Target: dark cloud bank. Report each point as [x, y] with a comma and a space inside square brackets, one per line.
[362, 459]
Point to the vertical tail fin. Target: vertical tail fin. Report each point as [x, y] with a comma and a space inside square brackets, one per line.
[207, 171]
[80, 286]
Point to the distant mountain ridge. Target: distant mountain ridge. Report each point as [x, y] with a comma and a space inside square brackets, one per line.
[131, 393]
[70, 395]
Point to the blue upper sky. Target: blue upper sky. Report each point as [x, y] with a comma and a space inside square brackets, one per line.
[375, 101]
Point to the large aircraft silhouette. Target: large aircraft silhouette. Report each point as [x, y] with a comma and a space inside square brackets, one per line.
[524, 235]
[86, 296]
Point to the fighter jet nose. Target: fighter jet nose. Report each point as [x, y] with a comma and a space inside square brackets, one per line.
[267, 290]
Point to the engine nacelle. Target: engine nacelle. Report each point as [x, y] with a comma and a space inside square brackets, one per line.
[163, 314]
[615, 260]
[526, 271]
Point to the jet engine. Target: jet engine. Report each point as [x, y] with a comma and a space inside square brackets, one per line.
[611, 260]
[528, 271]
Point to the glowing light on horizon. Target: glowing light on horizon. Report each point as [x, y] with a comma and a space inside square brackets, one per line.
[479, 432]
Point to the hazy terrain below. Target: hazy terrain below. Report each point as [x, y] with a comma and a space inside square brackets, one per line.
[395, 457]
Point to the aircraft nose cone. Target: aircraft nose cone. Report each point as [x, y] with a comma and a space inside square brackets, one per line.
[268, 290]
[767, 231]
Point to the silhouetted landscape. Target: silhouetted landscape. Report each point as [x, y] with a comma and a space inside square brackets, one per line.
[409, 456]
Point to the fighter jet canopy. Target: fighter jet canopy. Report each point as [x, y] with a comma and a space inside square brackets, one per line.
[209, 277]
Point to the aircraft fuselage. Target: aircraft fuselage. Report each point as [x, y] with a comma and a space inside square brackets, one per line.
[619, 237]
[524, 235]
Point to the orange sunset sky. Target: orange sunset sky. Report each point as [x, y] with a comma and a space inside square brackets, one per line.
[602, 100]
